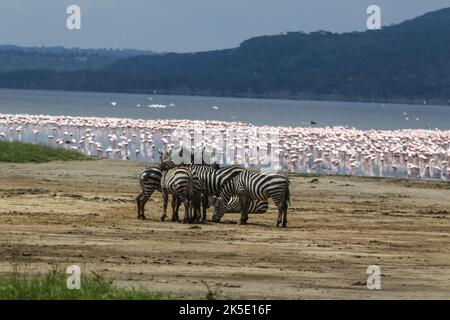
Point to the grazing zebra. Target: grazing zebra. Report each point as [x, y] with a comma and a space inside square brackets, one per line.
[211, 177]
[234, 206]
[149, 180]
[183, 184]
[249, 185]
[212, 180]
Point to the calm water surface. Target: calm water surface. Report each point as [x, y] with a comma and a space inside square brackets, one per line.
[257, 111]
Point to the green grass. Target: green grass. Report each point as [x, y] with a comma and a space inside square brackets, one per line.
[21, 152]
[53, 287]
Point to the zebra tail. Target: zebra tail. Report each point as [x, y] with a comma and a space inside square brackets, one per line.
[288, 193]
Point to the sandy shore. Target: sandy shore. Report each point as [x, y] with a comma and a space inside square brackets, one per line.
[84, 213]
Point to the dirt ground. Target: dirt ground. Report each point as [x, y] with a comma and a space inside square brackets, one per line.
[84, 213]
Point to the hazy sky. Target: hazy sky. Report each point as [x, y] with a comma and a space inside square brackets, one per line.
[188, 25]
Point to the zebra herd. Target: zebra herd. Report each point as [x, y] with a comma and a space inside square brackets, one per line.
[227, 189]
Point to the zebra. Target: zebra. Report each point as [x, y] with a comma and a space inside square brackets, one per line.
[212, 180]
[233, 206]
[149, 181]
[211, 177]
[250, 185]
[182, 182]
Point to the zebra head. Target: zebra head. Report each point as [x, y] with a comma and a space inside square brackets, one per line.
[219, 208]
[165, 158]
[212, 200]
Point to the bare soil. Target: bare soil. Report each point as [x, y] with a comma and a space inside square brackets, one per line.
[84, 213]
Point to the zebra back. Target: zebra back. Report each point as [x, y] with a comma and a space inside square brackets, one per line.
[212, 179]
[260, 186]
[150, 180]
[256, 185]
[180, 181]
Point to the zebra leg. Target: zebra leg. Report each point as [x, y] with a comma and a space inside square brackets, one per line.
[165, 201]
[142, 200]
[195, 214]
[244, 208]
[280, 213]
[187, 218]
[282, 206]
[204, 206]
[197, 203]
[138, 200]
[285, 204]
[178, 201]
[284, 225]
[178, 209]
[175, 207]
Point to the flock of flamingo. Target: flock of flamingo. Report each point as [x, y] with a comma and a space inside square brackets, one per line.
[332, 150]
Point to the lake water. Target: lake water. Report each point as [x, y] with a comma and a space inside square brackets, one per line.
[256, 111]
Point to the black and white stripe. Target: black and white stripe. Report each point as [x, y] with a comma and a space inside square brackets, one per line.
[183, 184]
[234, 206]
[250, 185]
[149, 180]
[212, 179]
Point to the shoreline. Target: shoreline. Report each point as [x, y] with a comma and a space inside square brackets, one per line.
[412, 153]
[401, 100]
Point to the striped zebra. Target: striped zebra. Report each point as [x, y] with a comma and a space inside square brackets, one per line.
[249, 185]
[212, 180]
[211, 177]
[183, 184]
[234, 206]
[149, 180]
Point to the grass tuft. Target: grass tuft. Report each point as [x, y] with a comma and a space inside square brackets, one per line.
[53, 287]
[21, 152]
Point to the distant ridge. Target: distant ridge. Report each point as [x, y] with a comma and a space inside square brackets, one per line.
[14, 58]
[408, 62]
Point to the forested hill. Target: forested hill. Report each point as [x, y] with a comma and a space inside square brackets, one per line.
[408, 62]
[58, 58]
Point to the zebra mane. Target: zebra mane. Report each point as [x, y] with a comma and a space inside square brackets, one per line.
[196, 159]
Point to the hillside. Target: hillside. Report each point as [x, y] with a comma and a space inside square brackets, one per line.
[61, 59]
[408, 62]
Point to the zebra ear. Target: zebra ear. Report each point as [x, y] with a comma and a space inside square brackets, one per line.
[159, 151]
